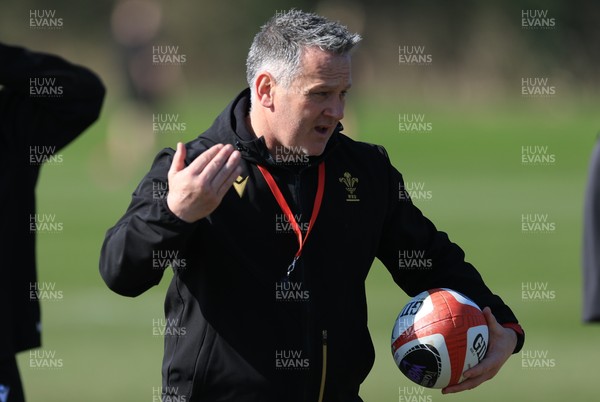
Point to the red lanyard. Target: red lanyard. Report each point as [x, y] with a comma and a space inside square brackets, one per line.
[288, 212]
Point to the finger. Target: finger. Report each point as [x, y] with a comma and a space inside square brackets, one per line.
[199, 164]
[229, 181]
[490, 360]
[213, 167]
[465, 385]
[178, 162]
[227, 170]
[487, 365]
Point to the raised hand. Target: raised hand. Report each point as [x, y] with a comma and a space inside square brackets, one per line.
[196, 190]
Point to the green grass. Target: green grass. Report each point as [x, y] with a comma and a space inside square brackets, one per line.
[471, 163]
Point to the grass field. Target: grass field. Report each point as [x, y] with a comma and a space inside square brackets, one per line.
[470, 163]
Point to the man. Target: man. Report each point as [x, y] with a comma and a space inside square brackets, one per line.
[269, 279]
[45, 103]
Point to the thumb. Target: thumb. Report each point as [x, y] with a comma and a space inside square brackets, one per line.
[178, 159]
[490, 318]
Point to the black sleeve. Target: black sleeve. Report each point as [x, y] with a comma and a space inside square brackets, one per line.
[591, 239]
[420, 257]
[45, 98]
[131, 259]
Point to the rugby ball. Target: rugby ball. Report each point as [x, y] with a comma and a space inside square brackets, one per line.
[438, 335]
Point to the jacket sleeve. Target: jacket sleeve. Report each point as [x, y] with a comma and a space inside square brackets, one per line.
[130, 259]
[53, 120]
[591, 239]
[441, 263]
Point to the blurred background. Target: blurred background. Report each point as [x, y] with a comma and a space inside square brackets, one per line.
[489, 109]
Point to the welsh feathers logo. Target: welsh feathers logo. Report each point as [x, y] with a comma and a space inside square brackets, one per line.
[350, 184]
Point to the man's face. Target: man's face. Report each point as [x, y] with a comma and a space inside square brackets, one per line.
[305, 114]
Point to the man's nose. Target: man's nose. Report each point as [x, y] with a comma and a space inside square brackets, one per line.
[335, 109]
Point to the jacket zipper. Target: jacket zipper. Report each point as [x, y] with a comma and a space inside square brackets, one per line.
[324, 365]
[298, 197]
[297, 194]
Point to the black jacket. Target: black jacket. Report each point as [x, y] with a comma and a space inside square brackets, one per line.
[240, 332]
[45, 103]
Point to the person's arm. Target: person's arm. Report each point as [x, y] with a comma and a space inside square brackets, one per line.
[45, 99]
[130, 260]
[408, 230]
[165, 210]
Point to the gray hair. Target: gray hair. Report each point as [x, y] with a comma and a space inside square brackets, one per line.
[279, 44]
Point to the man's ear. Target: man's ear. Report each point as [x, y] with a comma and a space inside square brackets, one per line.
[264, 86]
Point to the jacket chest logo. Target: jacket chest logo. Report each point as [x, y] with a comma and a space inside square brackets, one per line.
[240, 185]
[350, 183]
